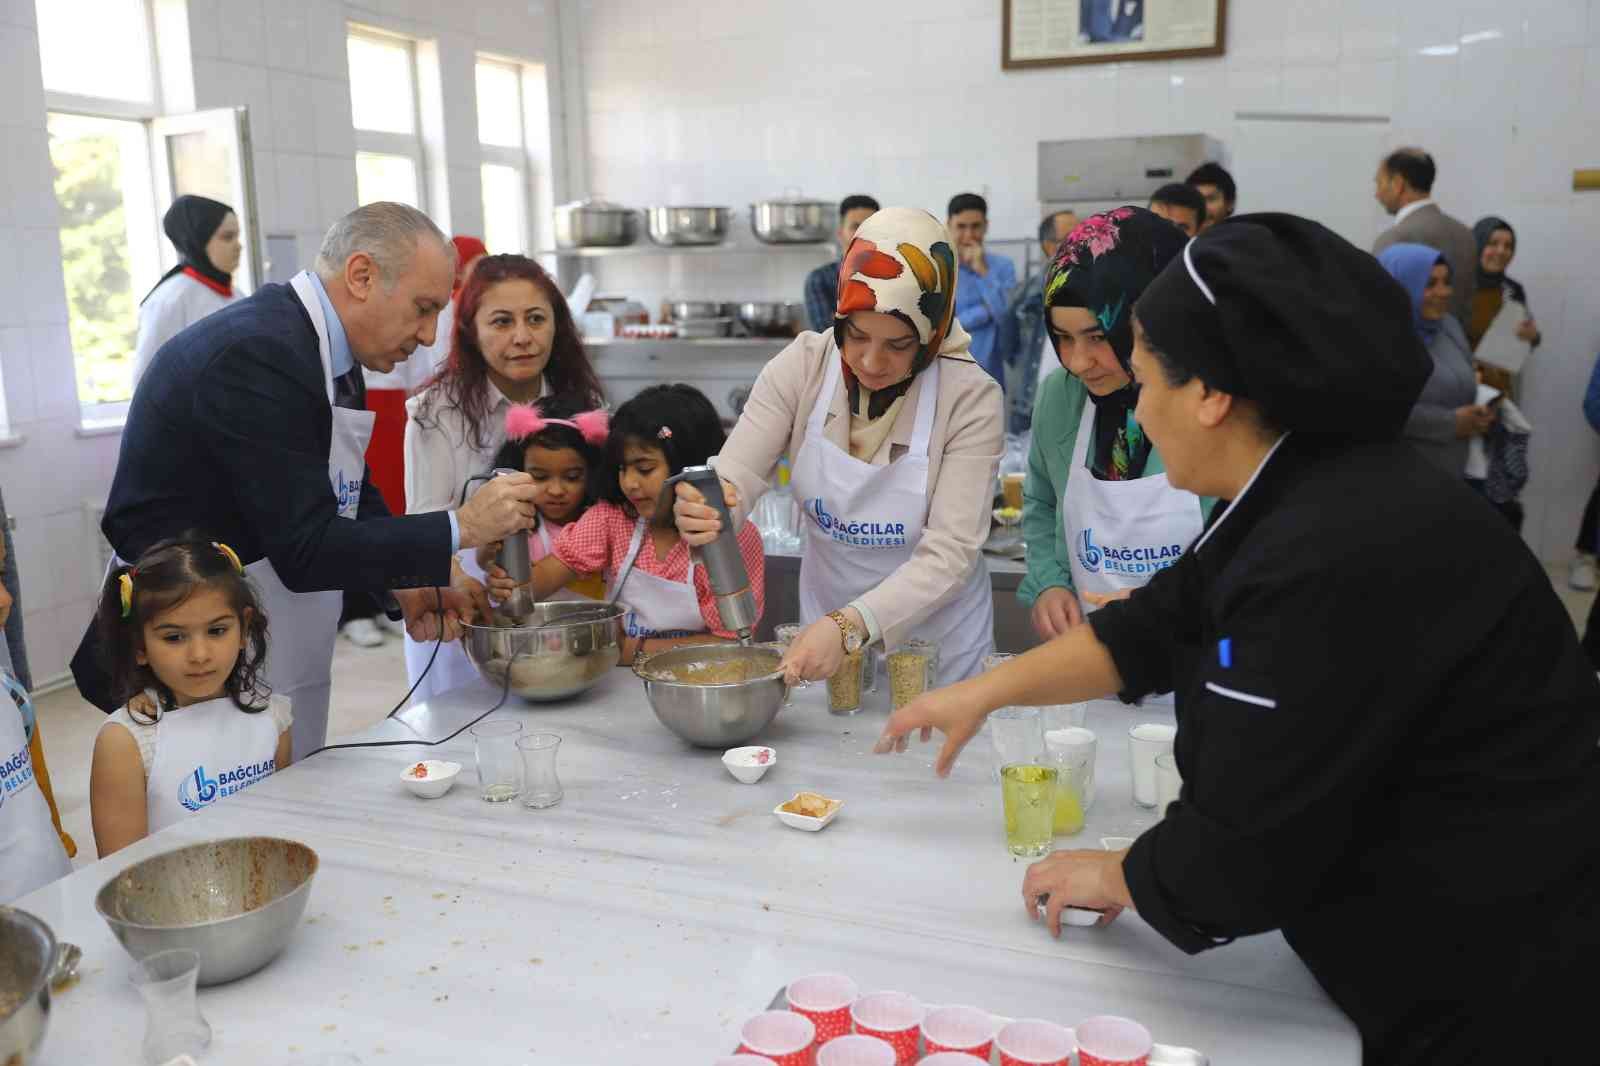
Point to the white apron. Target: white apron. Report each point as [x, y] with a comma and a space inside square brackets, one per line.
[1121, 533]
[303, 625]
[657, 607]
[204, 753]
[31, 854]
[865, 522]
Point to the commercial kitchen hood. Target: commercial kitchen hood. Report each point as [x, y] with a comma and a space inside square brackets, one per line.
[1119, 169]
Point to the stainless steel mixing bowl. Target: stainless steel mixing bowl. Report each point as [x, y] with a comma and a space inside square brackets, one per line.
[27, 953]
[235, 902]
[714, 715]
[560, 650]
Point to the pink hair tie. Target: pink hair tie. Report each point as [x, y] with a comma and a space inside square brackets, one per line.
[664, 433]
[524, 420]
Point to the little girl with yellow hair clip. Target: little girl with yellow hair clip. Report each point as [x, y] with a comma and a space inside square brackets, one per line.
[187, 640]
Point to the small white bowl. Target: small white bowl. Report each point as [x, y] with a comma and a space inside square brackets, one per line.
[801, 821]
[441, 775]
[746, 763]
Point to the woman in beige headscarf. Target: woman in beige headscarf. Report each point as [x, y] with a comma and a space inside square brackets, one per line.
[894, 434]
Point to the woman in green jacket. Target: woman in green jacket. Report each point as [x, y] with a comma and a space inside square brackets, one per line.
[1098, 514]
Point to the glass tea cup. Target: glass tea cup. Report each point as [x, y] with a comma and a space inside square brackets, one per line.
[541, 787]
[173, 1024]
[499, 763]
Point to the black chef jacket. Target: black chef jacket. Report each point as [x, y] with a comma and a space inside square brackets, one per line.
[1387, 735]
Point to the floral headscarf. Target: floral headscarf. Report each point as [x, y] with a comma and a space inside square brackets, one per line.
[902, 263]
[1103, 266]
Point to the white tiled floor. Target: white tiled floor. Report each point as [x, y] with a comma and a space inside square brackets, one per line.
[366, 685]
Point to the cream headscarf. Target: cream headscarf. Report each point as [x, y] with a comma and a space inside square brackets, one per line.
[902, 262]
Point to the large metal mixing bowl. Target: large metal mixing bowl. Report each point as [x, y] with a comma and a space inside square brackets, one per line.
[561, 649]
[719, 715]
[234, 902]
[27, 953]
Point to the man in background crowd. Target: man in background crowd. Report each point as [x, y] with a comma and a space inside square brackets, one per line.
[822, 284]
[1036, 355]
[1182, 205]
[985, 285]
[1215, 184]
[1404, 186]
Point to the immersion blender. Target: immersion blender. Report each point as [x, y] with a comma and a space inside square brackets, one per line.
[730, 581]
[516, 560]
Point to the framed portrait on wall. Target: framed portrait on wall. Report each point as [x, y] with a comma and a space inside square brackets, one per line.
[1053, 33]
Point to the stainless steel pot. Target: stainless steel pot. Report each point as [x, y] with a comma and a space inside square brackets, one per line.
[688, 225]
[685, 310]
[715, 715]
[234, 902]
[768, 317]
[595, 224]
[563, 648]
[793, 221]
[695, 329]
[27, 956]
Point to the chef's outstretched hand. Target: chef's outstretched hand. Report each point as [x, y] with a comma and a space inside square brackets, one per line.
[698, 522]
[502, 506]
[944, 709]
[1089, 879]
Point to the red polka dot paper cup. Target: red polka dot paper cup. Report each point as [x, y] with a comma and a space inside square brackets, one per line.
[782, 1036]
[1032, 1042]
[825, 998]
[953, 1058]
[959, 1029]
[891, 1016]
[1111, 1041]
[856, 1050]
[744, 1060]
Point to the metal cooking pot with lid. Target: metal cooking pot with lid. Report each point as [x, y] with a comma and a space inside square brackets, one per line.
[793, 220]
[688, 225]
[595, 224]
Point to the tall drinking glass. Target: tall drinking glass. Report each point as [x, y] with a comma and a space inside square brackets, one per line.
[1018, 736]
[173, 1024]
[540, 786]
[499, 763]
[1028, 795]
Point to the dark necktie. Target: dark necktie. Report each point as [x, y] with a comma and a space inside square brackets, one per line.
[349, 390]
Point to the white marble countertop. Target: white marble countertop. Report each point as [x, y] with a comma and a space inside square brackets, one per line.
[661, 904]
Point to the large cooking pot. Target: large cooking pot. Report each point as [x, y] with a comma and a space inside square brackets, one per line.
[688, 225]
[563, 648]
[793, 221]
[27, 957]
[595, 224]
[685, 310]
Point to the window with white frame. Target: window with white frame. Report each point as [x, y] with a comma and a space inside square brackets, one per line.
[513, 138]
[98, 62]
[383, 99]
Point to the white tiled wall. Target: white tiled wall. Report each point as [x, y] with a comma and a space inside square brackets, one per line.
[285, 60]
[722, 101]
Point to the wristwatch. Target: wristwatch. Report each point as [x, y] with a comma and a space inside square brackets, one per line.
[849, 634]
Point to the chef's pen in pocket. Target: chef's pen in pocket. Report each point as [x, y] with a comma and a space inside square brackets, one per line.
[438, 604]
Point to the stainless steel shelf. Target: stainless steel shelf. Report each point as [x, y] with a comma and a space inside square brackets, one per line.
[645, 248]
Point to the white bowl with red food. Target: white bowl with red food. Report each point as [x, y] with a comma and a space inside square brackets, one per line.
[430, 778]
[749, 764]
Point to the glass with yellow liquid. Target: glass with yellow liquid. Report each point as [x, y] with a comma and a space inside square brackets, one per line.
[1072, 752]
[1028, 794]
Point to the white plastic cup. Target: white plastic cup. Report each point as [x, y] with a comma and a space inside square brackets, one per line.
[1168, 781]
[1108, 1040]
[1145, 742]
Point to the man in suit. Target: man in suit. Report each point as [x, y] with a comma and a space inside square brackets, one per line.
[1110, 21]
[1405, 189]
[249, 429]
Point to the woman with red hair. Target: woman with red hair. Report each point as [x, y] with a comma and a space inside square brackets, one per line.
[513, 341]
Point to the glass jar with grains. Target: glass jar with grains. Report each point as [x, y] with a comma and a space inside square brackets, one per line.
[913, 670]
[849, 682]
